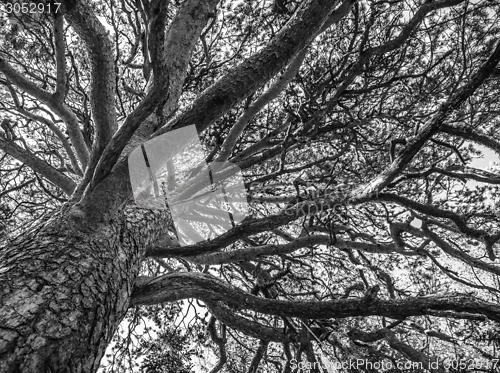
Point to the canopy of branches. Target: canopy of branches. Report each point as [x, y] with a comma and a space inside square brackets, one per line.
[367, 134]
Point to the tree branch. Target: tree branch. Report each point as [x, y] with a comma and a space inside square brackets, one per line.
[434, 211]
[219, 341]
[470, 134]
[243, 80]
[269, 95]
[59, 108]
[50, 125]
[431, 128]
[405, 349]
[60, 50]
[164, 90]
[97, 205]
[177, 286]
[249, 327]
[448, 249]
[257, 358]
[102, 74]
[469, 173]
[253, 253]
[43, 168]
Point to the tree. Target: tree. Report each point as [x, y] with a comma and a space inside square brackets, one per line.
[371, 233]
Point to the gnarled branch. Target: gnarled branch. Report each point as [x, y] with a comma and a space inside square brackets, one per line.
[173, 287]
[38, 165]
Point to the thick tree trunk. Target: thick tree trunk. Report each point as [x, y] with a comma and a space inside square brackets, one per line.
[63, 293]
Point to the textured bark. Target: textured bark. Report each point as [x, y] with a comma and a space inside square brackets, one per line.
[63, 293]
[246, 78]
[101, 55]
[253, 253]
[228, 317]
[165, 89]
[66, 285]
[177, 286]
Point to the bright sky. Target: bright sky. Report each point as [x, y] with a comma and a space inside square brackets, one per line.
[484, 163]
[489, 156]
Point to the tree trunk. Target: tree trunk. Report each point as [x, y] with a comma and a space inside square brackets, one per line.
[63, 293]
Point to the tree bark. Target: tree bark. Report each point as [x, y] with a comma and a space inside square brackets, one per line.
[63, 293]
